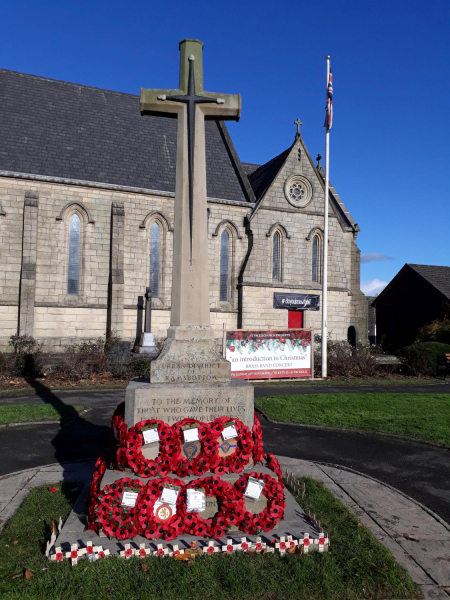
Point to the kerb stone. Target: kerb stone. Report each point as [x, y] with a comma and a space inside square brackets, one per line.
[173, 402]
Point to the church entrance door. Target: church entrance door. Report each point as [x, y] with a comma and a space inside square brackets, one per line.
[295, 319]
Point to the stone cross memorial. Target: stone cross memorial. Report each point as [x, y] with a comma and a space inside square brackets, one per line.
[147, 342]
[190, 378]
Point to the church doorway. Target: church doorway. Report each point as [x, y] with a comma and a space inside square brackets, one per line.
[295, 319]
[352, 336]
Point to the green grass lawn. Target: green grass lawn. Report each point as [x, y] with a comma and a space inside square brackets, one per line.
[18, 413]
[425, 416]
[356, 567]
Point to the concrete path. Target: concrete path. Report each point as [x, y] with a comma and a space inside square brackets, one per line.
[418, 540]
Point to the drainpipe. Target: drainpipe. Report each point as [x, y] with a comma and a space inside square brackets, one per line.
[240, 287]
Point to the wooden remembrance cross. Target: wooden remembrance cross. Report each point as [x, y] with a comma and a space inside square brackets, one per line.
[191, 106]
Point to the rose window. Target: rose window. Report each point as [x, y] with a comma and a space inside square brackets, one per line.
[298, 191]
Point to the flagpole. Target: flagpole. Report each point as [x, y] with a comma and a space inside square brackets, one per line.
[325, 244]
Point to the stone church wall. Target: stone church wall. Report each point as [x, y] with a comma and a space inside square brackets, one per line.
[114, 265]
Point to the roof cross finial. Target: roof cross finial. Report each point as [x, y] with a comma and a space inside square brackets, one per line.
[299, 124]
[319, 157]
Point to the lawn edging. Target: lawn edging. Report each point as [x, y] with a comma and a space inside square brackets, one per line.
[397, 436]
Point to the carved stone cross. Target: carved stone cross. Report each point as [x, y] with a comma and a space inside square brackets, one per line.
[299, 124]
[191, 105]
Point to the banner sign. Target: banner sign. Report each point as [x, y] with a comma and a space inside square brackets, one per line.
[296, 301]
[269, 354]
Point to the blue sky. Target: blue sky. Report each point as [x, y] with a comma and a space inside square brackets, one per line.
[390, 152]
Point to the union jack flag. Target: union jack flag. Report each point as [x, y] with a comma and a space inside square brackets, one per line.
[329, 105]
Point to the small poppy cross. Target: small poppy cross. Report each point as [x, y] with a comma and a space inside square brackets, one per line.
[211, 548]
[176, 551]
[259, 545]
[58, 556]
[75, 553]
[100, 553]
[291, 544]
[282, 545]
[161, 551]
[90, 551]
[128, 552]
[142, 551]
[305, 542]
[230, 547]
[323, 542]
[244, 545]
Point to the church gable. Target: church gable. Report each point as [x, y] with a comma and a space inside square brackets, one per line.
[290, 182]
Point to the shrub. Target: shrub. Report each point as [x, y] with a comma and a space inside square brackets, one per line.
[421, 358]
[345, 361]
[437, 331]
[140, 367]
[83, 360]
[27, 356]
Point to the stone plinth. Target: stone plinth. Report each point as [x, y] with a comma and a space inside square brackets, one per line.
[203, 401]
[190, 355]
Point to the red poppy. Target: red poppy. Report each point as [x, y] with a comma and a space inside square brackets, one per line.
[74, 554]
[306, 542]
[52, 489]
[322, 541]
[101, 554]
[59, 556]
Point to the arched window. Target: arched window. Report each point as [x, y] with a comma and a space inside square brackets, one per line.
[73, 271]
[316, 266]
[155, 253]
[276, 256]
[224, 265]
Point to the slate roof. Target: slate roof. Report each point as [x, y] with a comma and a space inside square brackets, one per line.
[262, 177]
[60, 129]
[249, 167]
[438, 277]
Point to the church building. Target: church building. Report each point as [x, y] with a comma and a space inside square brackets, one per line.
[86, 224]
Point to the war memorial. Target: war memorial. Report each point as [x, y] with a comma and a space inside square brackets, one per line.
[187, 472]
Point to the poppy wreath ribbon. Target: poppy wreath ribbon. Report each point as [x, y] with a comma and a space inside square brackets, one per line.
[198, 464]
[145, 467]
[94, 492]
[235, 462]
[119, 431]
[114, 519]
[273, 512]
[230, 505]
[150, 525]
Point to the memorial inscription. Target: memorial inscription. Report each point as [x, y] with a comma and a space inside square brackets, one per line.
[177, 401]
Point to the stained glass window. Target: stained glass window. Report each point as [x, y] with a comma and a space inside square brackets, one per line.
[316, 259]
[73, 278]
[155, 252]
[276, 257]
[224, 265]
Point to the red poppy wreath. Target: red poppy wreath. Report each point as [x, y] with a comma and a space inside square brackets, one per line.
[145, 467]
[162, 522]
[242, 455]
[273, 464]
[119, 431]
[115, 519]
[258, 449]
[94, 492]
[197, 463]
[273, 512]
[230, 505]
